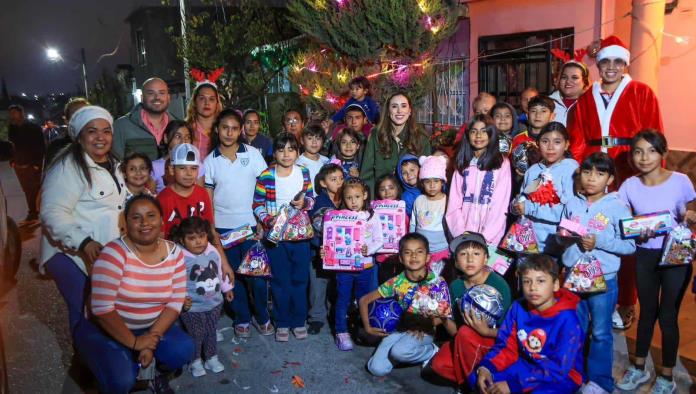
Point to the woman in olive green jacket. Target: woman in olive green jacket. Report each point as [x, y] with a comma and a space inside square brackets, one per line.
[396, 135]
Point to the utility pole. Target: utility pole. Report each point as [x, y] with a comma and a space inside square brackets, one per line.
[84, 72]
[182, 15]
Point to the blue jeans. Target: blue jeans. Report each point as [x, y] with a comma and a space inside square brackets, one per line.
[521, 369]
[72, 284]
[597, 310]
[400, 348]
[290, 269]
[243, 284]
[116, 366]
[363, 282]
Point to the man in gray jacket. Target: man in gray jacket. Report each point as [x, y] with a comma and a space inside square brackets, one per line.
[142, 129]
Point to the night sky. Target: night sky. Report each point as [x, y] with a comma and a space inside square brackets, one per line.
[27, 27]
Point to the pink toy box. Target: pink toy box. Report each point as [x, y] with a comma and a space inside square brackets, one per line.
[392, 216]
[345, 232]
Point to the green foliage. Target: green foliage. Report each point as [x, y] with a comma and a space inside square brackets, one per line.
[227, 40]
[390, 41]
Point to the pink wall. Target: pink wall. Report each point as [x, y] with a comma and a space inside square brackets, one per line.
[677, 78]
[591, 20]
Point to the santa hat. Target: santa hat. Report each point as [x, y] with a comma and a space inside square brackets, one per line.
[433, 167]
[613, 48]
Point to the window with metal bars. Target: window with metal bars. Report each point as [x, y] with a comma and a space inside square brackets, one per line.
[508, 64]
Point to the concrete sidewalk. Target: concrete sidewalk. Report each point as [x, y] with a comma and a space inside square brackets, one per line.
[39, 351]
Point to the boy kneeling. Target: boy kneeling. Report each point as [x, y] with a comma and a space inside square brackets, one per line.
[539, 345]
[424, 298]
[457, 359]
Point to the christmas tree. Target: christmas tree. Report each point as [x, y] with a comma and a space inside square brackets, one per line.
[392, 42]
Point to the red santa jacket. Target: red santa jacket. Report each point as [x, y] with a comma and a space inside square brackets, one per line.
[632, 108]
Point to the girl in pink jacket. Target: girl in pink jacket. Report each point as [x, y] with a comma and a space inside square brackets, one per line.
[480, 190]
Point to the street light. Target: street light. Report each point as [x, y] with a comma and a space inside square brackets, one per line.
[54, 55]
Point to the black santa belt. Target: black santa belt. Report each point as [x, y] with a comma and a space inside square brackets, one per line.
[610, 142]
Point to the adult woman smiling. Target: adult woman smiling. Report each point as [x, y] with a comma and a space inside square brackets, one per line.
[572, 83]
[396, 135]
[81, 200]
[138, 289]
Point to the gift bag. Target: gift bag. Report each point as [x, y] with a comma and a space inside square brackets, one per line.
[291, 224]
[255, 262]
[521, 237]
[680, 247]
[435, 302]
[586, 276]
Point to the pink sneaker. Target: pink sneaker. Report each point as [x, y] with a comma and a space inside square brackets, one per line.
[343, 342]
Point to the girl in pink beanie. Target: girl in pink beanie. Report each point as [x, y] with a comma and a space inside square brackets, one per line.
[429, 208]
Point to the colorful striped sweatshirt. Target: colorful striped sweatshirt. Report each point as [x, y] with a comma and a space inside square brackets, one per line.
[137, 291]
[264, 205]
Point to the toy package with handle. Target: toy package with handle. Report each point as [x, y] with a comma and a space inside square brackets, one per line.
[660, 221]
[236, 236]
[571, 230]
[255, 262]
[291, 224]
[345, 232]
[392, 216]
[521, 237]
[680, 247]
[586, 276]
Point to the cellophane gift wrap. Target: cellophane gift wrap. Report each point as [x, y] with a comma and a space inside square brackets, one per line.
[586, 276]
[433, 300]
[521, 237]
[291, 224]
[680, 247]
[256, 262]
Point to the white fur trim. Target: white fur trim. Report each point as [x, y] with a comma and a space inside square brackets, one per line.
[605, 113]
[615, 52]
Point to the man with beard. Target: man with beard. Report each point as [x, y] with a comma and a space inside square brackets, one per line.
[142, 129]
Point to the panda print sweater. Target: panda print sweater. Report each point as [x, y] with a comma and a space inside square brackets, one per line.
[205, 283]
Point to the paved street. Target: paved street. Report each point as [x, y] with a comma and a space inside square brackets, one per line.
[39, 352]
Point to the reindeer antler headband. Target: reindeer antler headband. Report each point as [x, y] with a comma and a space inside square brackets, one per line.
[210, 78]
[576, 58]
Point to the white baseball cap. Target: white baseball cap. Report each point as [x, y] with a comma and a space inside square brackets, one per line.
[185, 155]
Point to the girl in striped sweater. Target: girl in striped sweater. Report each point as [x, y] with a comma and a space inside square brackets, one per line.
[284, 183]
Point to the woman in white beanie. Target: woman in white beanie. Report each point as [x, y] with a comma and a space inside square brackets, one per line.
[81, 200]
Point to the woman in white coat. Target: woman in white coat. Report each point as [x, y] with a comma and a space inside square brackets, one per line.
[82, 197]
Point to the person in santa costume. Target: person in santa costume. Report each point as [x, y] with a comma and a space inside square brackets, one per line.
[606, 118]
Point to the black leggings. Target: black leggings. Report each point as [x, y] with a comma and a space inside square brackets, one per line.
[660, 292]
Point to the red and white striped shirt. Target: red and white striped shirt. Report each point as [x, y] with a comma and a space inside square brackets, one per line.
[137, 291]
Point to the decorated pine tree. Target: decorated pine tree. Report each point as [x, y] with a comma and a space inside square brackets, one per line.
[392, 42]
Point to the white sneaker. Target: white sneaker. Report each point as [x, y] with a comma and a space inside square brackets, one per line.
[426, 362]
[592, 388]
[632, 378]
[663, 386]
[197, 369]
[616, 320]
[214, 365]
[218, 336]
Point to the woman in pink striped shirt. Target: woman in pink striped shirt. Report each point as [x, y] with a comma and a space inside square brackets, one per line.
[138, 289]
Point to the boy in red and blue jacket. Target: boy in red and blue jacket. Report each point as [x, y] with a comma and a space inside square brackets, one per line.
[539, 345]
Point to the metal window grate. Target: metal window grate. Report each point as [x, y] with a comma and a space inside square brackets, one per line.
[448, 102]
[506, 73]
